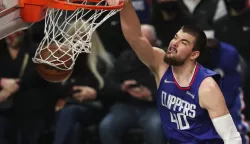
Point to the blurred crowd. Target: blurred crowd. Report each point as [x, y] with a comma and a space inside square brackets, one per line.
[110, 96]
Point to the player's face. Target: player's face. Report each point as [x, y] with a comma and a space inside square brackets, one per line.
[179, 49]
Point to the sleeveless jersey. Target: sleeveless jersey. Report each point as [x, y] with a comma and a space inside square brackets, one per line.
[184, 121]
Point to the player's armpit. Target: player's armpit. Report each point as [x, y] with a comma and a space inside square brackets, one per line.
[212, 99]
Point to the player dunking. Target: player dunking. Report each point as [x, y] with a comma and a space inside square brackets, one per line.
[191, 104]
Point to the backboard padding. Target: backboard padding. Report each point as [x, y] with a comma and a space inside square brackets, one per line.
[10, 19]
[9, 3]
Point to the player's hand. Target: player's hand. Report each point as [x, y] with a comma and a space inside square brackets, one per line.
[9, 84]
[141, 92]
[85, 93]
[126, 84]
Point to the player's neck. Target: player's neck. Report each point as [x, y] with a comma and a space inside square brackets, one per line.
[184, 72]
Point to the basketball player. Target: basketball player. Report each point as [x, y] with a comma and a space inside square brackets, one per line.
[191, 104]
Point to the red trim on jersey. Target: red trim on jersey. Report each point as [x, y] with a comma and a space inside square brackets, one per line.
[191, 82]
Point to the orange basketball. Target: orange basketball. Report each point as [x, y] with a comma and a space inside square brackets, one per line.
[58, 57]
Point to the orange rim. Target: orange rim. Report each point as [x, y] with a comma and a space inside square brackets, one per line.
[63, 5]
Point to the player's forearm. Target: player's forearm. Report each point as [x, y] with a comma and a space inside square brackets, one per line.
[226, 129]
[131, 28]
[130, 23]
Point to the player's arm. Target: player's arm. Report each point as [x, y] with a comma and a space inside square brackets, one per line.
[212, 99]
[131, 28]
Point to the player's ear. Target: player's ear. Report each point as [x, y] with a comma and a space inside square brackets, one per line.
[195, 55]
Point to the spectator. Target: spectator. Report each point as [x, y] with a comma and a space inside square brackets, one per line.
[204, 11]
[134, 88]
[167, 18]
[81, 90]
[23, 107]
[235, 29]
[225, 60]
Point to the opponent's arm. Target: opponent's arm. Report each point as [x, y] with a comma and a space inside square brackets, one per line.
[212, 99]
[131, 28]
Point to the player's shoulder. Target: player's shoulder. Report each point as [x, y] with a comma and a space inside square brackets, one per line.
[208, 85]
[209, 92]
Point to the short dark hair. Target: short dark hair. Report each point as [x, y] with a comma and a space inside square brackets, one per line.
[200, 37]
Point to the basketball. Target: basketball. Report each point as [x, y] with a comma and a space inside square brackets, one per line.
[58, 56]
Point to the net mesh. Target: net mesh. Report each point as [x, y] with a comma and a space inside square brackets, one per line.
[68, 33]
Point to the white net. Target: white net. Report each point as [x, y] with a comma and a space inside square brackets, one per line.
[68, 33]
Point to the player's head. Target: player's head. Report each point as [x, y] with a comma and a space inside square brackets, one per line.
[186, 45]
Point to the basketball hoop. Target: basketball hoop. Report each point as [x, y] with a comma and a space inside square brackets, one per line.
[62, 19]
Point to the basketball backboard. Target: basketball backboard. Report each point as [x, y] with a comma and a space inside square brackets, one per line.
[10, 19]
